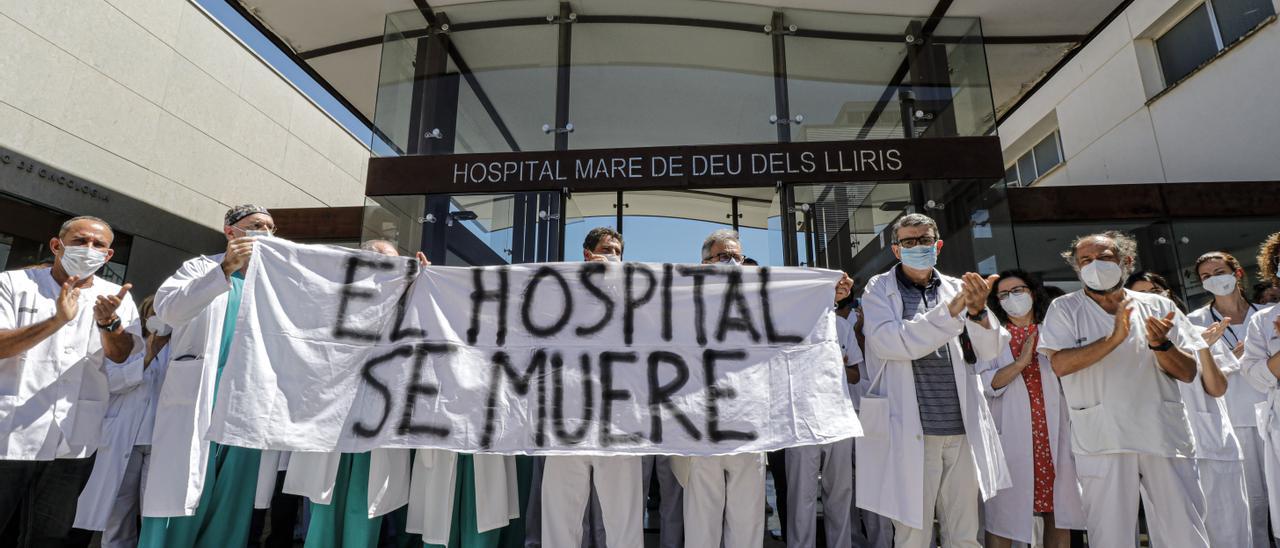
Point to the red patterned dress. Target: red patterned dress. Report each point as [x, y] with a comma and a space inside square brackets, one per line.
[1041, 455]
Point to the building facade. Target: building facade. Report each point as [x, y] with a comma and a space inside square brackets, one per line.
[153, 116]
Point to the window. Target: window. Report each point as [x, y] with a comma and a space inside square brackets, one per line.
[1205, 31]
[1036, 162]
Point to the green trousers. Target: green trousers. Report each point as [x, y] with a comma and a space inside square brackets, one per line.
[225, 511]
[345, 522]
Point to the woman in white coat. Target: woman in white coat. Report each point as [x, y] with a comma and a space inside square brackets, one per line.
[1221, 275]
[1261, 366]
[894, 458]
[202, 493]
[1219, 462]
[1035, 432]
[112, 498]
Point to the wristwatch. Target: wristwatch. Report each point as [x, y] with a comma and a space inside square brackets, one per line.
[1162, 347]
[110, 327]
[979, 317]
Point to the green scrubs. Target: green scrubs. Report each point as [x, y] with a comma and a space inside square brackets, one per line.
[345, 522]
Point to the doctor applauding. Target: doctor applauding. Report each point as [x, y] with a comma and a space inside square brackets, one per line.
[199, 492]
[56, 326]
[1120, 356]
[930, 445]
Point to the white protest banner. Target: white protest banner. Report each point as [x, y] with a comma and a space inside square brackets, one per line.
[343, 350]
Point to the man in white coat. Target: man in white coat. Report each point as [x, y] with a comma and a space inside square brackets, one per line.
[194, 301]
[1120, 356]
[60, 328]
[930, 444]
[567, 482]
[724, 495]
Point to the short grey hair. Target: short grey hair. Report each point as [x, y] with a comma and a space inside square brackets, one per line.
[914, 219]
[66, 225]
[722, 235]
[1124, 246]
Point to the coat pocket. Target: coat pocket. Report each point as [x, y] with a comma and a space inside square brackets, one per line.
[874, 416]
[182, 382]
[1093, 430]
[86, 431]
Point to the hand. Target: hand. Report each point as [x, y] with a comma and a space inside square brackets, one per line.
[1120, 331]
[844, 287]
[1238, 350]
[238, 252]
[104, 311]
[1026, 355]
[422, 259]
[1158, 329]
[977, 289]
[68, 304]
[597, 259]
[1213, 333]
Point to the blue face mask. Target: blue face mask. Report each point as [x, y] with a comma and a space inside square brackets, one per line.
[921, 257]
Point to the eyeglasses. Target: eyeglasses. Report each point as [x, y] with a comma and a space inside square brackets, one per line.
[724, 256]
[1019, 290]
[257, 225]
[912, 242]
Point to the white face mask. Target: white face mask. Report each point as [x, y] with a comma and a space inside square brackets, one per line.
[1220, 285]
[158, 327]
[82, 261]
[612, 258]
[1101, 275]
[1017, 305]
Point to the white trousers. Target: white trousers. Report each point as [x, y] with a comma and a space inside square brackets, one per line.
[951, 490]
[724, 500]
[1226, 515]
[566, 489]
[122, 524]
[1110, 483]
[671, 508]
[813, 470]
[1255, 484]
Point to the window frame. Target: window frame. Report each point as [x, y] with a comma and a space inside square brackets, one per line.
[1056, 135]
[1216, 29]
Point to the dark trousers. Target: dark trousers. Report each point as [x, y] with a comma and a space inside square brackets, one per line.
[776, 462]
[38, 502]
[283, 516]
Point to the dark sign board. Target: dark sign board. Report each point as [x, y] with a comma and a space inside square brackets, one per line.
[708, 166]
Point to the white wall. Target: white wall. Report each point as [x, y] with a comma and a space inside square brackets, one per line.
[154, 99]
[1217, 125]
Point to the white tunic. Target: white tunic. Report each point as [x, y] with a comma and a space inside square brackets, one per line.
[53, 397]
[1124, 403]
[1241, 397]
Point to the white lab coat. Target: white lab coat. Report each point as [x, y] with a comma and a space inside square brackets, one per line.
[1010, 514]
[193, 301]
[431, 493]
[890, 456]
[1242, 397]
[53, 397]
[1262, 342]
[132, 406]
[314, 475]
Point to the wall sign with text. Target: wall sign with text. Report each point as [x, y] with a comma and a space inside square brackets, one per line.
[690, 166]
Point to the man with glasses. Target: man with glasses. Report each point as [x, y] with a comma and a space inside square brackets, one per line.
[59, 327]
[200, 492]
[930, 444]
[724, 495]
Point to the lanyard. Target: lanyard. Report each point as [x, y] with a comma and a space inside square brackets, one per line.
[1230, 328]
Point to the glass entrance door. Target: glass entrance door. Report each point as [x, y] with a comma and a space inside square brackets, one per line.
[670, 225]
